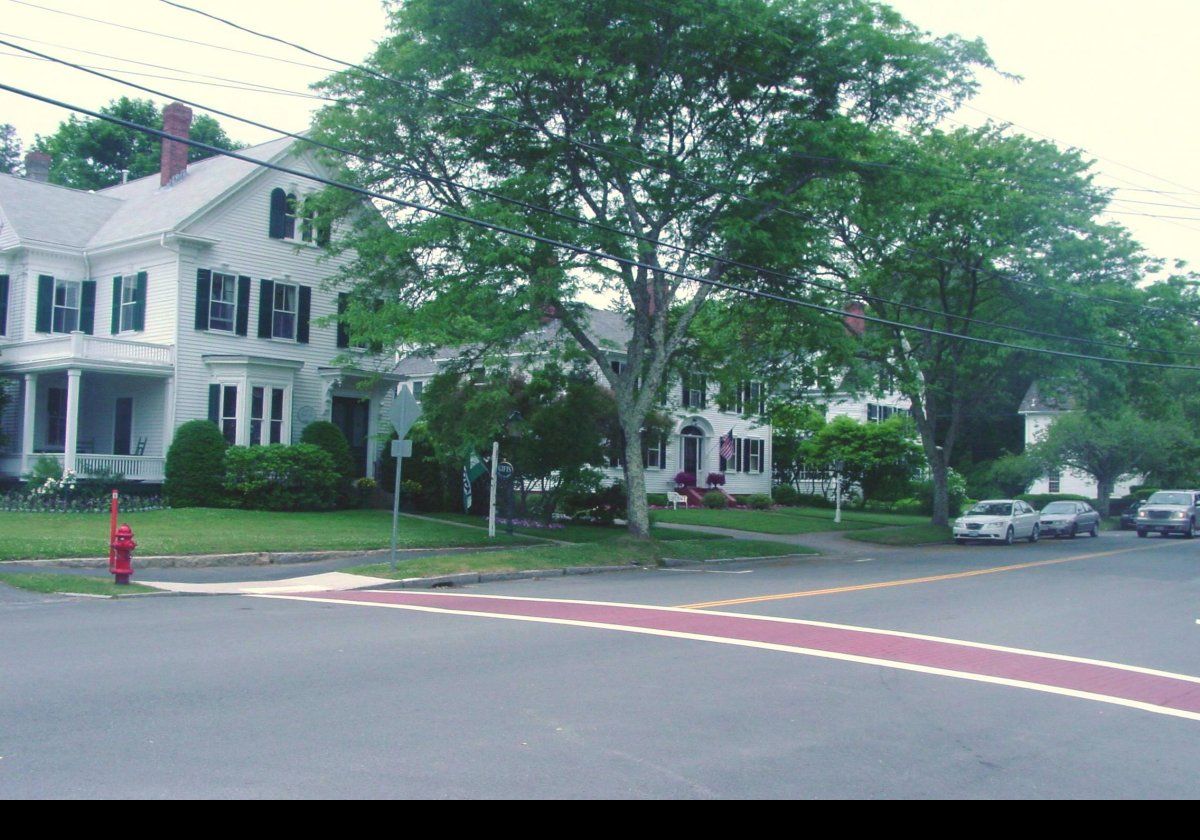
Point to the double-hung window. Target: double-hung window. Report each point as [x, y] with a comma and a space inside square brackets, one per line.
[222, 305]
[129, 304]
[283, 311]
[266, 415]
[66, 306]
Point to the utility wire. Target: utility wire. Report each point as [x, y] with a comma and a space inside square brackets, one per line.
[413, 173]
[579, 249]
[601, 149]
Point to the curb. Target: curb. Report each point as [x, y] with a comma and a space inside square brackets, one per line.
[262, 558]
[468, 578]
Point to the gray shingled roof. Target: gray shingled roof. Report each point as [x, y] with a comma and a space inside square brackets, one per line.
[45, 214]
[610, 330]
[1053, 400]
[42, 213]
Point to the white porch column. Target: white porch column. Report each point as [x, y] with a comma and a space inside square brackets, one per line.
[168, 432]
[73, 375]
[29, 413]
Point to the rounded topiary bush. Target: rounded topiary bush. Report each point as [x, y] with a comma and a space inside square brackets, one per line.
[758, 501]
[329, 437]
[784, 494]
[715, 500]
[195, 466]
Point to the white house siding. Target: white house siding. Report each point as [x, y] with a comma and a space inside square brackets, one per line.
[239, 223]
[161, 264]
[1036, 425]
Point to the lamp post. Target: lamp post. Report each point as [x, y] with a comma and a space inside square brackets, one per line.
[837, 493]
[513, 432]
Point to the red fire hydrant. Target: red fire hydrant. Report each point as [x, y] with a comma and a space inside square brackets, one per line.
[121, 561]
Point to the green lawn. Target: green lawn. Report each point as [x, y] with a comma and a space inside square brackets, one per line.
[69, 584]
[614, 552]
[212, 531]
[785, 520]
[923, 534]
[572, 532]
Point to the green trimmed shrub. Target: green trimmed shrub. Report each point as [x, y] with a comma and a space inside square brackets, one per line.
[715, 500]
[784, 494]
[1040, 500]
[1141, 494]
[758, 501]
[329, 437]
[195, 466]
[656, 499]
[814, 500]
[279, 477]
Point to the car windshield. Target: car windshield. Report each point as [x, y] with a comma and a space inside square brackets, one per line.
[1171, 499]
[991, 509]
[1059, 507]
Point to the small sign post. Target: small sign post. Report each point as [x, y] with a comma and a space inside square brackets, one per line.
[505, 472]
[404, 412]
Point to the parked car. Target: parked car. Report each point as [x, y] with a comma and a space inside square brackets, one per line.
[997, 520]
[1066, 519]
[1169, 512]
[1129, 517]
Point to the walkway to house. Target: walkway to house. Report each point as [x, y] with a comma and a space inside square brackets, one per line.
[829, 543]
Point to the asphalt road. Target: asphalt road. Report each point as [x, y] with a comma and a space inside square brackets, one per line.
[234, 696]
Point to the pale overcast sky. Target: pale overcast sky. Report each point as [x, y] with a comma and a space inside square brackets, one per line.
[1114, 77]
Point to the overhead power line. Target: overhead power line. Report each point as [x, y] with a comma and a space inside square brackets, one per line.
[580, 249]
[410, 172]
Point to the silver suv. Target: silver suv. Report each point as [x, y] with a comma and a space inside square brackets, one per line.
[1169, 512]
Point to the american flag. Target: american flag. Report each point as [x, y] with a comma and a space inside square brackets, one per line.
[727, 446]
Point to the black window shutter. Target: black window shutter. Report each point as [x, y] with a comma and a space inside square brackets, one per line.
[139, 308]
[686, 396]
[739, 446]
[303, 313]
[214, 404]
[266, 307]
[343, 334]
[116, 306]
[703, 392]
[45, 303]
[87, 307]
[3, 304]
[203, 293]
[243, 305]
[279, 202]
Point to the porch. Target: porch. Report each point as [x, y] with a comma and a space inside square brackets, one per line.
[89, 420]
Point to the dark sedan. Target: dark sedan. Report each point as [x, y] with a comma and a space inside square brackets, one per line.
[1129, 517]
[1066, 519]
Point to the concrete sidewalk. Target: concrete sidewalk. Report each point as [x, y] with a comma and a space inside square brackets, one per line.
[328, 582]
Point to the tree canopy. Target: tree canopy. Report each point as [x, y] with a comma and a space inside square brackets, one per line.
[90, 154]
[10, 150]
[693, 137]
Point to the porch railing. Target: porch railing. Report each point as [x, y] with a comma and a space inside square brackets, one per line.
[81, 347]
[133, 467]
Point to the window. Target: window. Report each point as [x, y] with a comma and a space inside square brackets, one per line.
[283, 311]
[222, 305]
[266, 415]
[694, 391]
[129, 304]
[56, 417]
[654, 456]
[751, 454]
[750, 398]
[289, 217]
[222, 410]
[418, 388]
[1055, 483]
[66, 306]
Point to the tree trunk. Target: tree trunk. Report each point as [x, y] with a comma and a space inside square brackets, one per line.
[1103, 495]
[637, 511]
[941, 491]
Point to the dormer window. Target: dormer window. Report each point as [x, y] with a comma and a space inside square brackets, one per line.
[294, 218]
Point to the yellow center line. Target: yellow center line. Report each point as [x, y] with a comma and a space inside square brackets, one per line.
[910, 581]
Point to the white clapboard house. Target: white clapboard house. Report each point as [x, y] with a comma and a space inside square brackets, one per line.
[194, 293]
[700, 418]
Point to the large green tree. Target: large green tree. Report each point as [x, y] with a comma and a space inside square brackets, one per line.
[90, 154]
[703, 129]
[10, 150]
[990, 233]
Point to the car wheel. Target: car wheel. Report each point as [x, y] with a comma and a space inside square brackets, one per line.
[961, 542]
[1095, 532]
[1074, 528]
[1140, 532]
[1037, 532]
[1008, 537]
[1191, 530]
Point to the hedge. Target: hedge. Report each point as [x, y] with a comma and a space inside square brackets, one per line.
[279, 477]
[195, 466]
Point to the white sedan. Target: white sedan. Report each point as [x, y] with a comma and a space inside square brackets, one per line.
[997, 520]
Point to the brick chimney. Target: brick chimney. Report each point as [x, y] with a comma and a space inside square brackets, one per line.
[177, 120]
[37, 166]
[853, 317]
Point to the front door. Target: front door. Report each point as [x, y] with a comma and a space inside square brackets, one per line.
[693, 446]
[351, 415]
[123, 426]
